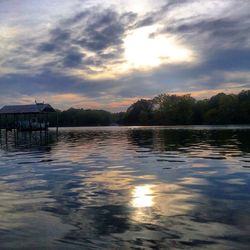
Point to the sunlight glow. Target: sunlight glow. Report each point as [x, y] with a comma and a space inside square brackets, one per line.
[142, 49]
[142, 52]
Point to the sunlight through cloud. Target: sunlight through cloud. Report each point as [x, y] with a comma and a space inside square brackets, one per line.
[143, 49]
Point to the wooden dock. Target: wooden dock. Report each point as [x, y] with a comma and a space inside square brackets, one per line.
[32, 117]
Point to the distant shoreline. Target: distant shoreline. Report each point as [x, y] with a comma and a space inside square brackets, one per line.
[184, 127]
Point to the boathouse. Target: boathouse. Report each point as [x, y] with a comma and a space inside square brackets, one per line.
[33, 117]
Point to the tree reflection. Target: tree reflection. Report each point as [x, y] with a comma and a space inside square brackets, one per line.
[133, 187]
[178, 139]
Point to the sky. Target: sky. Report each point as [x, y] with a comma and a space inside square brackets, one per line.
[106, 54]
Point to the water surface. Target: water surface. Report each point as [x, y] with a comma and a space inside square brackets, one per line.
[126, 187]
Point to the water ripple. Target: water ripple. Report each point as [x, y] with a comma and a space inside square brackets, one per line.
[137, 187]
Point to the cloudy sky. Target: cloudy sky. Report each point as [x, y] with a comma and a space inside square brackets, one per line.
[108, 53]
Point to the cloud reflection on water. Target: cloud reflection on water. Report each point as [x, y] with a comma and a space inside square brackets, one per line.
[122, 187]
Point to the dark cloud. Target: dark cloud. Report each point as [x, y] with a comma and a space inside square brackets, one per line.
[93, 31]
[60, 35]
[146, 21]
[223, 32]
[51, 82]
[101, 32]
[171, 4]
[104, 30]
[204, 26]
[78, 17]
[58, 39]
[73, 59]
[47, 47]
[228, 59]
[155, 16]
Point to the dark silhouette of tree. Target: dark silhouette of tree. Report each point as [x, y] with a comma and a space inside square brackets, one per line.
[81, 117]
[183, 110]
[164, 109]
[140, 113]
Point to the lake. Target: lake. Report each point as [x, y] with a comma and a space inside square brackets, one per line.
[126, 187]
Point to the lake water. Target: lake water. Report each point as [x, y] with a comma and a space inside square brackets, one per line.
[126, 187]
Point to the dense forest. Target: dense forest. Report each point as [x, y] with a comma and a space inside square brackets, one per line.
[176, 110]
[166, 110]
[81, 117]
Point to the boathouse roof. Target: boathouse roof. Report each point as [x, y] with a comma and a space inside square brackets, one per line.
[27, 109]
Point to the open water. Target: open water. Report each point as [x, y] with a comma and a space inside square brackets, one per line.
[126, 188]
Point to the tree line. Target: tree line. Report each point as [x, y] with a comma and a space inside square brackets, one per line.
[185, 110]
[166, 109]
[80, 117]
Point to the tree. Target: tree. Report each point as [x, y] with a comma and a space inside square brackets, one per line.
[139, 113]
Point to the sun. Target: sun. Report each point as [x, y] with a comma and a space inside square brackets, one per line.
[144, 50]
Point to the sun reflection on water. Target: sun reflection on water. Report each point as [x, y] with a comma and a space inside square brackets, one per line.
[143, 196]
[143, 202]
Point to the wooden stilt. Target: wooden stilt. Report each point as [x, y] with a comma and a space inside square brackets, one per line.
[57, 123]
[47, 121]
[6, 123]
[6, 129]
